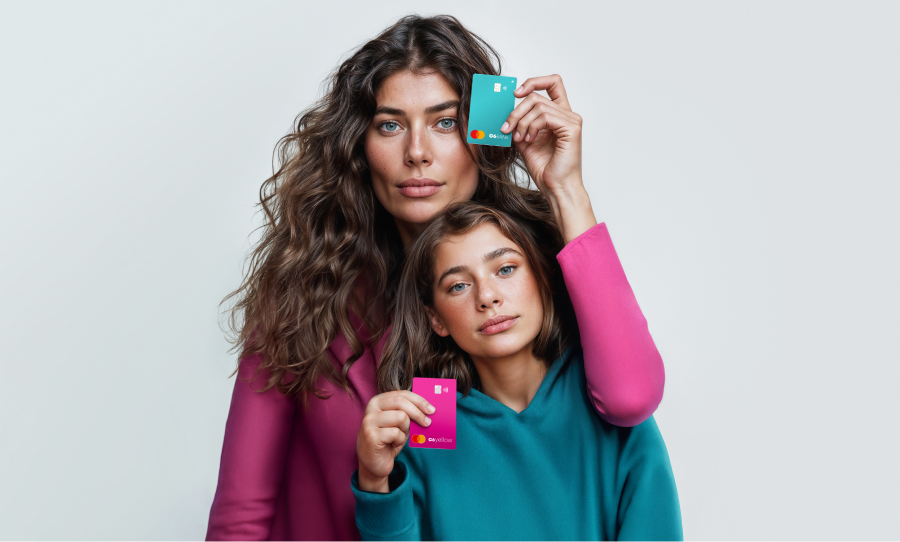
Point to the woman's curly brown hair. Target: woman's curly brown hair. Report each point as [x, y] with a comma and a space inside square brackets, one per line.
[324, 225]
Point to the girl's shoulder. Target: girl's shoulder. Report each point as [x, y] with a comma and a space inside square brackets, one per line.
[570, 362]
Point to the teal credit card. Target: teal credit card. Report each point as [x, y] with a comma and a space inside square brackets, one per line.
[491, 103]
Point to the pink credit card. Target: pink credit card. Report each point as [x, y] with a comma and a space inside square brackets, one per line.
[440, 392]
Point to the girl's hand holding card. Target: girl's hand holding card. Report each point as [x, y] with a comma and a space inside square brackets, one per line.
[384, 431]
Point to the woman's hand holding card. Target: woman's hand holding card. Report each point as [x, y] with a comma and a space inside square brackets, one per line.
[548, 134]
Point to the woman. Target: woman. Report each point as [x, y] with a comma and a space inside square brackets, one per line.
[381, 154]
[532, 461]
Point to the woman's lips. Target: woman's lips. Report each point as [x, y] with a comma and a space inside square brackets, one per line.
[419, 188]
[502, 326]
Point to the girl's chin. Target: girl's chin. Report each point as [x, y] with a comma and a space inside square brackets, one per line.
[503, 349]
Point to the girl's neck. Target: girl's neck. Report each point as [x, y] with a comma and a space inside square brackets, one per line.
[512, 380]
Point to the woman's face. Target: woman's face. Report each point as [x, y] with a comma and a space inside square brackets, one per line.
[417, 160]
[483, 277]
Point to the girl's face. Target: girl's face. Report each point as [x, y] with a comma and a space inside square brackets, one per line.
[486, 296]
[416, 158]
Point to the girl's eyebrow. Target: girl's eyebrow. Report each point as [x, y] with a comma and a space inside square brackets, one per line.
[500, 252]
[486, 258]
[433, 109]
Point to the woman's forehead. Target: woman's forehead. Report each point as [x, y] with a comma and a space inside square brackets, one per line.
[413, 93]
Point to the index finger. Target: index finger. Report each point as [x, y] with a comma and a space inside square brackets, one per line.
[415, 406]
[551, 83]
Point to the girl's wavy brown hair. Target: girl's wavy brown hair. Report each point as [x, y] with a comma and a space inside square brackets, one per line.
[324, 225]
[414, 349]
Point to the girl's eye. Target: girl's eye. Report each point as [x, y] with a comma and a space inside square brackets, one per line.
[455, 289]
[510, 267]
[447, 124]
[385, 126]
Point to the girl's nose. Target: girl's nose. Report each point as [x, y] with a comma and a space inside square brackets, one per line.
[488, 297]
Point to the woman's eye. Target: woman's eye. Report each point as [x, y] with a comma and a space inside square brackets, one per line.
[447, 124]
[455, 289]
[390, 126]
[510, 267]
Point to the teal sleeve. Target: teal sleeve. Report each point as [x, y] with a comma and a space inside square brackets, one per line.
[649, 508]
[387, 516]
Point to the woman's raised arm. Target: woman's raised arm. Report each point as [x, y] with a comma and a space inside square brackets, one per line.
[251, 470]
[625, 374]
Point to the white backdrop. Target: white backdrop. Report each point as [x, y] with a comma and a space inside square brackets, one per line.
[745, 156]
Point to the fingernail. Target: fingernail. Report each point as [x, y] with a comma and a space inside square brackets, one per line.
[517, 137]
[427, 421]
[504, 127]
[528, 136]
[519, 90]
[430, 409]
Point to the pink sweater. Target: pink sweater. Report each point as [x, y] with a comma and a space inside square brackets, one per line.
[284, 473]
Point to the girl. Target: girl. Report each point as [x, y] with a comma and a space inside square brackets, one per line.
[382, 153]
[532, 458]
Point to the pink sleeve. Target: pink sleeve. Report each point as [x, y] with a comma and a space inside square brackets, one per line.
[625, 374]
[253, 457]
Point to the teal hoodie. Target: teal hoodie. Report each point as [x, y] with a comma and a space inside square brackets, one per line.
[554, 471]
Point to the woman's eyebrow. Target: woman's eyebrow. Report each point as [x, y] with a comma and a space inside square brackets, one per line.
[449, 104]
[486, 258]
[429, 110]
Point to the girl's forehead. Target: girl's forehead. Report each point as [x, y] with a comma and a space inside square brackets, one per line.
[478, 236]
[469, 247]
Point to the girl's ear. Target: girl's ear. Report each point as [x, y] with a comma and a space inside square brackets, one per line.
[436, 323]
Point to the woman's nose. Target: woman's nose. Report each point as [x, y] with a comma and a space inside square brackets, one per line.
[418, 149]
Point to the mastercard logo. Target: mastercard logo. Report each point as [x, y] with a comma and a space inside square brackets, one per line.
[418, 439]
[477, 134]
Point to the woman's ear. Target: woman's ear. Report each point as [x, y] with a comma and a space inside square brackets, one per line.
[436, 323]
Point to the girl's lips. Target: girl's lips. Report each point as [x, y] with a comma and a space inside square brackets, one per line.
[419, 191]
[502, 326]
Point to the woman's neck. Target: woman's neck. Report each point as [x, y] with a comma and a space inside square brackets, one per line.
[512, 380]
[408, 231]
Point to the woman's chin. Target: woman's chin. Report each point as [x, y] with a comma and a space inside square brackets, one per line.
[419, 212]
